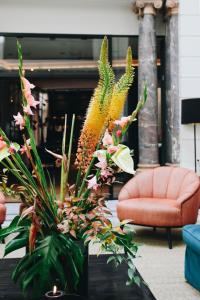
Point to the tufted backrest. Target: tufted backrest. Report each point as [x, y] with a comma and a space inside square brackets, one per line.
[161, 182]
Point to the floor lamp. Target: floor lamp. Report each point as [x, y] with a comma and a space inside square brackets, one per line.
[190, 114]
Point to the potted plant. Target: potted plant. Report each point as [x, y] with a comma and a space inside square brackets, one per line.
[56, 229]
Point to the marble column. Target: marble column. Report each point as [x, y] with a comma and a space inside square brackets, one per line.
[147, 74]
[172, 109]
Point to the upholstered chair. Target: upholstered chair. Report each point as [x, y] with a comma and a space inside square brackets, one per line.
[162, 197]
[2, 209]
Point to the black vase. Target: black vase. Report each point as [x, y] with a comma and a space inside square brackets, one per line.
[82, 289]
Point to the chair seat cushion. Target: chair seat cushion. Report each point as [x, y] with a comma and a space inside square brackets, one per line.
[150, 211]
[191, 236]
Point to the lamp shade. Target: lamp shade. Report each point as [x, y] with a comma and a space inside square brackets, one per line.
[190, 111]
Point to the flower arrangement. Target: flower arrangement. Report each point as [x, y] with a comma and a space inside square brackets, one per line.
[50, 224]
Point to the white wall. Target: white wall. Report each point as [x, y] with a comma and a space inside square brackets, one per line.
[189, 40]
[70, 17]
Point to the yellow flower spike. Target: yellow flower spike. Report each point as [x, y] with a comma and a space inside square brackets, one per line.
[120, 91]
[98, 110]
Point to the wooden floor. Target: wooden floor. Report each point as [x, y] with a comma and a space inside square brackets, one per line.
[105, 282]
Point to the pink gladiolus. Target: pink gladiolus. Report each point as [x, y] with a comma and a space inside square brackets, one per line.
[123, 121]
[27, 85]
[27, 110]
[19, 120]
[26, 148]
[11, 149]
[102, 164]
[27, 93]
[112, 149]
[107, 139]
[92, 183]
[31, 101]
[2, 144]
[105, 173]
[118, 133]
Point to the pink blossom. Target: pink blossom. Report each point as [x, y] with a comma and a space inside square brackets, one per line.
[25, 148]
[19, 120]
[27, 110]
[118, 133]
[123, 121]
[92, 183]
[11, 149]
[107, 139]
[112, 149]
[2, 144]
[27, 85]
[102, 164]
[105, 173]
[27, 93]
[31, 101]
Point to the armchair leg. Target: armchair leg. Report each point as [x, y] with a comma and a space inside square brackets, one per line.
[154, 229]
[169, 237]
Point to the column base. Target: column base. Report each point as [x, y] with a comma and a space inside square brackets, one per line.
[144, 167]
[172, 165]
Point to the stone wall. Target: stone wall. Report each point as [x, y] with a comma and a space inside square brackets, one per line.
[189, 59]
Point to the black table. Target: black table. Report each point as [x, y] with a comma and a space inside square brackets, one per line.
[105, 282]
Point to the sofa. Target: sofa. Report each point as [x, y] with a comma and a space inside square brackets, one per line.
[163, 197]
[191, 236]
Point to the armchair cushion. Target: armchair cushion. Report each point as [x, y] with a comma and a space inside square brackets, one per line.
[150, 211]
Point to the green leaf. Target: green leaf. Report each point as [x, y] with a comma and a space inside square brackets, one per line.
[130, 273]
[17, 243]
[12, 228]
[110, 259]
[55, 257]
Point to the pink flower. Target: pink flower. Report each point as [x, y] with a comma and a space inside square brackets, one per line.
[107, 139]
[31, 101]
[92, 183]
[25, 148]
[105, 173]
[27, 85]
[27, 92]
[102, 164]
[123, 121]
[118, 133]
[11, 149]
[27, 110]
[2, 144]
[112, 149]
[19, 120]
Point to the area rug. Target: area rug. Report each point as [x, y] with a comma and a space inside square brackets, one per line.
[162, 268]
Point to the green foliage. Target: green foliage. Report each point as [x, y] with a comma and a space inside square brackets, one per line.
[55, 259]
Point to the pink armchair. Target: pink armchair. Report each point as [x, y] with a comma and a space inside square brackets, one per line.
[162, 197]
